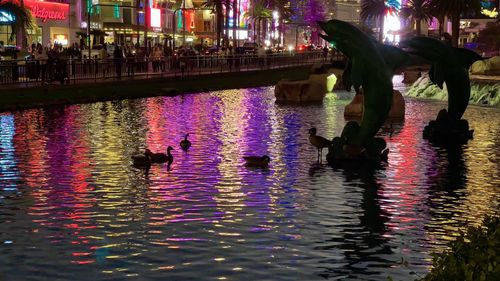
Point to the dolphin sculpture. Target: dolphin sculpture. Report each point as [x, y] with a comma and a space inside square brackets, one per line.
[449, 65]
[368, 69]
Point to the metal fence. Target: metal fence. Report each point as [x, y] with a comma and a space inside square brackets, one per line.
[36, 72]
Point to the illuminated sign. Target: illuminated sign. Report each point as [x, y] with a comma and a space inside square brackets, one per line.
[490, 13]
[6, 17]
[61, 39]
[47, 10]
[155, 18]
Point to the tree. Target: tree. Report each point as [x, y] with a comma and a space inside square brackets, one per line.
[219, 11]
[22, 16]
[258, 13]
[285, 12]
[377, 10]
[454, 9]
[490, 36]
[314, 12]
[417, 11]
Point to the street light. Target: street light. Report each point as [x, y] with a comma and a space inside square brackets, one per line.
[89, 20]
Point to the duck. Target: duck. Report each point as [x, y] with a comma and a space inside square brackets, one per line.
[318, 142]
[142, 161]
[160, 157]
[257, 161]
[185, 143]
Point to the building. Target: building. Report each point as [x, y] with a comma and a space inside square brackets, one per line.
[54, 22]
[348, 10]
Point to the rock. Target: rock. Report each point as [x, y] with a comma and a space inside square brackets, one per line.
[355, 108]
[311, 90]
[446, 131]
[411, 76]
[489, 66]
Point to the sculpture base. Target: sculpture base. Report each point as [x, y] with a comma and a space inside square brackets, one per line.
[343, 153]
[444, 130]
[354, 110]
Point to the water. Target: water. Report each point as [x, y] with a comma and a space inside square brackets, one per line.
[73, 208]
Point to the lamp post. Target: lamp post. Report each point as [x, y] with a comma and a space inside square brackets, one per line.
[89, 19]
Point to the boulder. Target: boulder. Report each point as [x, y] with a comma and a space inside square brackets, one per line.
[311, 90]
[410, 76]
[489, 66]
[355, 108]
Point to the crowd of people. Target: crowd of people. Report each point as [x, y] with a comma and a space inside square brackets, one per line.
[56, 63]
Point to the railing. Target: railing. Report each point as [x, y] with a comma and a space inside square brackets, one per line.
[36, 72]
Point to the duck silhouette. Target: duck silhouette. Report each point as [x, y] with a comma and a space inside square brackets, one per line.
[185, 143]
[160, 157]
[318, 142]
[142, 161]
[257, 161]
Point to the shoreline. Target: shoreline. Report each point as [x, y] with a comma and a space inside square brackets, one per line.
[13, 99]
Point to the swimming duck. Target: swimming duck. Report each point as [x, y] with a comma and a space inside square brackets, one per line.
[142, 161]
[160, 157]
[257, 161]
[318, 141]
[185, 143]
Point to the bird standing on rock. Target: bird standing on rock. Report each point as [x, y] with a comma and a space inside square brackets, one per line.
[185, 143]
[318, 142]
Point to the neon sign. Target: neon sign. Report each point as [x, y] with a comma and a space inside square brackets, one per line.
[155, 17]
[6, 17]
[48, 10]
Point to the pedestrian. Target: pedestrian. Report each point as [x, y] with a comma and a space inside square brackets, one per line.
[118, 60]
[130, 64]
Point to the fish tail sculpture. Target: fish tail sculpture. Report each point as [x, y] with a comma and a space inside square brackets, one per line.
[371, 66]
[368, 69]
[449, 65]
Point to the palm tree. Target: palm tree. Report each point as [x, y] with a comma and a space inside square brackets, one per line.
[376, 10]
[22, 16]
[219, 11]
[417, 11]
[258, 13]
[454, 9]
[285, 12]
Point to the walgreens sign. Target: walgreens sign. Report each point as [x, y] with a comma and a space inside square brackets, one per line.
[47, 10]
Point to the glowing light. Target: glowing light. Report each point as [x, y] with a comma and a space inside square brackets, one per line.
[392, 25]
[267, 42]
[331, 80]
[490, 13]
[155, 18]
[290, 48]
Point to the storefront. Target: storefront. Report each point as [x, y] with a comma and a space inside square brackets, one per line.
[52, 23]
[6, 19]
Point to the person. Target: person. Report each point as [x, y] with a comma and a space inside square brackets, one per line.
[325, 53]
[130, 63]
[118, 59]
[261, 55]
[104, 60]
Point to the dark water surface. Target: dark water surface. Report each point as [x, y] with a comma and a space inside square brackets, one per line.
[73, 208]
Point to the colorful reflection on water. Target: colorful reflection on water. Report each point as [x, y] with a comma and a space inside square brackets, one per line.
[72, 207]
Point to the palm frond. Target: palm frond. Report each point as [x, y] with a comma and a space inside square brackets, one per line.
[23, 16]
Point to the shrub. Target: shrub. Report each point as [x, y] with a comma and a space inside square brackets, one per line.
[472, 256]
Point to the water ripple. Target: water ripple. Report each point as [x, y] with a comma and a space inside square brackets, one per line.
[72, 207]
